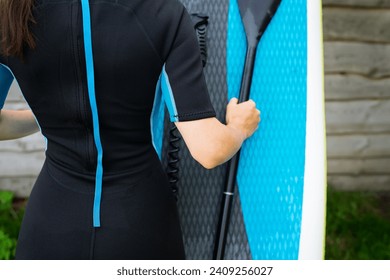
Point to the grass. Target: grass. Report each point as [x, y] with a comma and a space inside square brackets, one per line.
[10, 220]
[358, 226]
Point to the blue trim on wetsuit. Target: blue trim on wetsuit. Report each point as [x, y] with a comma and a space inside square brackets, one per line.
[168, 96]
[157, 120]
[6, 79]
[95, 117]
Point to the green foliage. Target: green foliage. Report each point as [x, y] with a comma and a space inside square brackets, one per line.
[7, 246]
[10, 219]
[358, 227]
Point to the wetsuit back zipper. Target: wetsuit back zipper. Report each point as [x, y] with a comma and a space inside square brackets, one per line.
[89, 149]
[83, 112]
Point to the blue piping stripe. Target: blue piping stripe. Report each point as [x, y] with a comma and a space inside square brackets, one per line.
[6, 79]
[152, 124]
[168, 96]
[95, 117]
[157, 120]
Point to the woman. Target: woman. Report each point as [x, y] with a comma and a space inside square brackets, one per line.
[102, 193]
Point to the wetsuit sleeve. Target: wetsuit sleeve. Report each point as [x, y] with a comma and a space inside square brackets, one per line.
[6, 79]
[182, 81]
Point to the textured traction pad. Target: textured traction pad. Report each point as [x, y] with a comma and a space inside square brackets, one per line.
[271, 169]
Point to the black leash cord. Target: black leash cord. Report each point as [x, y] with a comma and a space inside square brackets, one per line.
[173, 159]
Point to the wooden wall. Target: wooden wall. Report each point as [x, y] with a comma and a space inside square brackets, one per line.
[357, 85]
[22, 159]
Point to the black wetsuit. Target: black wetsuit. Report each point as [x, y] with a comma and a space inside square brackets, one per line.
[137, 45]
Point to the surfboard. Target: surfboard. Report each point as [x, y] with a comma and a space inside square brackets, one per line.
[279, 206]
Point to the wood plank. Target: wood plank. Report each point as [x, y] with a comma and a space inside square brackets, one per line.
[377, 166]
[356, 25]
[15, 164]
[358, 146]
[357, 58]
[21, 186]
[32, 143]
[357, 3]
[360, 183]
[358, 116]
[352, 87]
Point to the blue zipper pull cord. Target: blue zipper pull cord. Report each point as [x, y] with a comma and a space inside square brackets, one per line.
[92, 101]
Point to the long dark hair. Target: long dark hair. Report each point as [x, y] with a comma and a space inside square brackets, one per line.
[15, 19]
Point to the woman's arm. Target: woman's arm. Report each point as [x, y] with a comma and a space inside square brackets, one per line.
[212, 143]
[16, 124]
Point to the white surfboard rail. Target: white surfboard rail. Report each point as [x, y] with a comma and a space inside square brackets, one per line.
[312, 241]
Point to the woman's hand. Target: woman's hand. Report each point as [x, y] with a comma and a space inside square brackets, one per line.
[212, 143]
[244, 117]
[16, 124]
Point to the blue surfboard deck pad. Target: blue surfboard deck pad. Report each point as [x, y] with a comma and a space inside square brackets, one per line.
[267, 211]
[271, 170]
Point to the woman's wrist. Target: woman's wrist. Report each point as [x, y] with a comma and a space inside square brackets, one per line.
[238, 133]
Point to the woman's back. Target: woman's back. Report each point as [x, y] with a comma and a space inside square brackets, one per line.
[91, 81]
[102, 192]
[132, 41]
